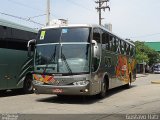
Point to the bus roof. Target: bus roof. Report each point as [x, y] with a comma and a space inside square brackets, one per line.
[86, 25]
[16, 26]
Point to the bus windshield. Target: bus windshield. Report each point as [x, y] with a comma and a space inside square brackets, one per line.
[63, 58]
[56, 35]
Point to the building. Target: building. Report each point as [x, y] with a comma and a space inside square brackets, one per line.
[108, 26]
[153, 45]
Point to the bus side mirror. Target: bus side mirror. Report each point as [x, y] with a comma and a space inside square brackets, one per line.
[30, 45]
[95, 47]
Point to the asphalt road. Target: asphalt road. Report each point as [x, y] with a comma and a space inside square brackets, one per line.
[142, 98]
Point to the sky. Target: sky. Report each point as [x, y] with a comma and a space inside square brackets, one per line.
[131, 19]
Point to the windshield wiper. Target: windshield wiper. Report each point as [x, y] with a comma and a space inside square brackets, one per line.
[66, 63]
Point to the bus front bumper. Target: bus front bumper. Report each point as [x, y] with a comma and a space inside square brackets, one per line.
[61, 90]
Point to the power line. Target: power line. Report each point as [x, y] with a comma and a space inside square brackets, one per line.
[27, 6]
[36, 16]
[79, 5]
[21, 18]
[24, 5]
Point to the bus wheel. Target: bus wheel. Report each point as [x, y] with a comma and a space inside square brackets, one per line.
[104, 89]
[60, 96]
[27, 86]
[127, 86]
[2, 92]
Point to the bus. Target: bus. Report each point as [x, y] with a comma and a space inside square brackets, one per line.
[15, 65]
[81, 60]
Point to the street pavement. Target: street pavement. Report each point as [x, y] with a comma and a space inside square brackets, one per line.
[142, 98]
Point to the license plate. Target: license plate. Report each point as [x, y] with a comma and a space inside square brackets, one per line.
[57, 90]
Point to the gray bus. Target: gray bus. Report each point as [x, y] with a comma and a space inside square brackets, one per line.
[15, 65]
[81, 60]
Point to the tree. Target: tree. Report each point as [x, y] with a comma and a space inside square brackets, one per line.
[145, 53]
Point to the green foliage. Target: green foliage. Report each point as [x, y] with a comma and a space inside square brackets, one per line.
[146, 54]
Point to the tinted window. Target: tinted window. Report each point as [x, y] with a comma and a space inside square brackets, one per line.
[17, 45]
[75, 35]
[117, 45]
[128, 49]
[3, 43]
[103, 37]
[49, 36]
[5, 32]
[125, 48]
[64, 35]
[122, 47]
[113, 44]
[96, 35]
[22, 35]
[105, 40]
[11, 38]
[131, 51]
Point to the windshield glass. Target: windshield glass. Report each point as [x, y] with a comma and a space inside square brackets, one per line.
[46, 54]
[56, 35]
[62, 58]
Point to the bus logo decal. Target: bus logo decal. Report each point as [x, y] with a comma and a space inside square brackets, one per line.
[44, 78]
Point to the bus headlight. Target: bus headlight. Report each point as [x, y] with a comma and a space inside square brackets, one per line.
[79, 83]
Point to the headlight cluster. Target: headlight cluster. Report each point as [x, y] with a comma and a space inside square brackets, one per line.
[81, 83]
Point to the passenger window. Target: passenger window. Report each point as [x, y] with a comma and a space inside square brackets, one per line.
[122, 47]
[103, 37]
[17, 45]
[116, 46]
[128, 49]
[125, 48]
[96, 60]
[112, 43]
[131, 51]
[96, 35]
[107, 41]
[3, 43]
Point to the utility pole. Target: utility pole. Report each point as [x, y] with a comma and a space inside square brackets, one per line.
[100, 7]
[48, 13]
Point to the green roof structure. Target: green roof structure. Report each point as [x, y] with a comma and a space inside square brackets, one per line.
[153, 45]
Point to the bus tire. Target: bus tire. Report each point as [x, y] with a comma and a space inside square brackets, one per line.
[127, 86]
[27, 85]
[60, 96]
[2, 92]
[104, 89]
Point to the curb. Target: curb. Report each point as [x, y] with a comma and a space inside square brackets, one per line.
[155, 82]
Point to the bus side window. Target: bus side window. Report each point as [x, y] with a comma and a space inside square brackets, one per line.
[125, 48]
[96, 35]
[103, 37]
[18, 41]
[4, 36]
[107, 41]
[116, 46]
[122, 47]
[118, 42]
[128, 49]
[131, 51]
[111, 43]
[134, 51]
[3, 43]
